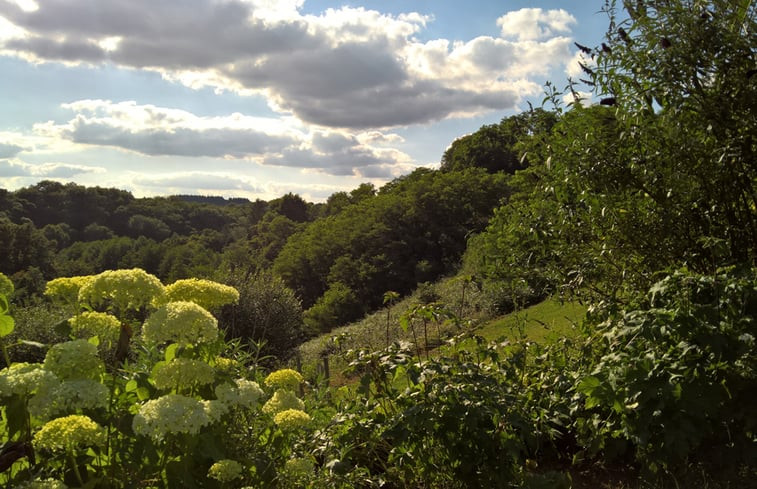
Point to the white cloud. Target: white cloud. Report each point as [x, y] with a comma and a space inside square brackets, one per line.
[160, 131]
[345, 68]
[9, 150]
[197, 182]
[530, 24]
[17, 168]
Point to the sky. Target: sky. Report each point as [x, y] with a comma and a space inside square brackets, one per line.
[258, 98]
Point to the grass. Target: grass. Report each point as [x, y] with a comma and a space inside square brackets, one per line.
[542, 323]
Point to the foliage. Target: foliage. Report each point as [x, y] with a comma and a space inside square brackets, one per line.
[168, 417]
[495, 147]
[661, 173]
[413, 230]
[267, 313]
[675, 373]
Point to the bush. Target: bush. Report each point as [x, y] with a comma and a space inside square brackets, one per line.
[267, 311]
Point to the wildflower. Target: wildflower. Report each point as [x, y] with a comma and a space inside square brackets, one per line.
[182, 373]
[281, 401]
[124, 289]
[43, 484]
[74, 360]
[66, 289]
[292, 419]
[106, 327]
[226, 365]
[215, 409]
[204, 293]
[6, 286]
[244, 393]
[171, 413]
[68, 397]
[185, 323]
[225, 470]
[68, 433]
[284, 379]
[299, 467]
[24, 379]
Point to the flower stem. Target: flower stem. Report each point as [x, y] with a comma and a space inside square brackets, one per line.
[76, 467]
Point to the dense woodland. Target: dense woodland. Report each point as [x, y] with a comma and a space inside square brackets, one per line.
[643, 206]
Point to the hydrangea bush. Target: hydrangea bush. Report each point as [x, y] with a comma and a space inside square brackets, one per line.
[175, 410]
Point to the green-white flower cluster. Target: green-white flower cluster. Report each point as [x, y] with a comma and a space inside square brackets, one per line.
[43, 484]
[25, 379]
[299, 467]
[225, 470]
[182, 373]
[205, 293]
[123, 289]
[172, 413]
[74, 360]
[292, 419]
[68, 433]
[105, 326]
[184, 323]
[244, 393]
[282, 400]
[284, 379]
[68, 397]
[66, 289]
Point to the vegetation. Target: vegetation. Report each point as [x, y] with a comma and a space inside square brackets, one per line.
[641, 208]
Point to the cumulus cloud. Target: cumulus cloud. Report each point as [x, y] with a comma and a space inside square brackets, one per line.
[9, 150]
[15, 168]
[529, 24]
[152, 130]
[347, 68]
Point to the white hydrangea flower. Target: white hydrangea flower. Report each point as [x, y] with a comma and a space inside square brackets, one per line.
[182, 373]
[68, 397]
[172, 413]
[124, 289]
[185, 323]
[205, 293]
[281, 401]
[74, 360]
[24, 379]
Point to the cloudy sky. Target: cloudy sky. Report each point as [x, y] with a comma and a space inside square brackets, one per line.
[256, 98]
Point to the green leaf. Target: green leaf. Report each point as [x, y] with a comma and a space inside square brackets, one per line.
[7, 324]
[171, 351]
[143, 393]
[3, 304]
[588, 385]
[35, 344]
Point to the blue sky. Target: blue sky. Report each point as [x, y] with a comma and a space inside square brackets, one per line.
[257, 98]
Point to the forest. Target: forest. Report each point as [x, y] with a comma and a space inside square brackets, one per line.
[157, 342]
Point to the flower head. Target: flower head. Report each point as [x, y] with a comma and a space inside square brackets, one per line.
[68, 433]
[299, 467]
[244, 393]
[185, 323]
[66, 289]
[292, 419]
[74, 360]
[204, 293]
[172, 413]
[68, 397]
[284, 379]
[100, 324]
[43, 484]
[124, 289]
[24, 379]
[182, 373]
[225, 470]
[281, 401]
